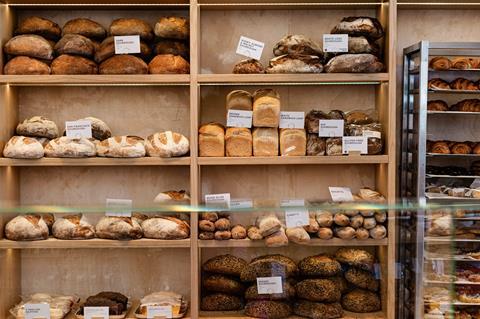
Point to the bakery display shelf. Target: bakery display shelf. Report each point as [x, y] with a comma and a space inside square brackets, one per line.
[442, 197]
[95, 80]
[294, 160]
[97, 161]
[452, 155]
[439, 282]
[292, 79]
[94, 243]
[313, 242]
[452, 113]
[451, 176]
[454, 91]
[448, 240]
[241, 315]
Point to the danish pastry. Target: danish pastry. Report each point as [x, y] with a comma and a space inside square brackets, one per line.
[440, 148]
[461, 63]
[437, 105]
[463, 84]
[440, 63]
[461, 148]
[438, 84]
[468, 105]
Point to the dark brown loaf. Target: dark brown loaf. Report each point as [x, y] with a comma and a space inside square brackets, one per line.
[166, 46]
[85, 27]
[322, 290]
[221, 302]
[362, 301]
[354, 63]
[168, 64]
[224, 284]
[288, 292]
[225, 265]
[316, 145]
[131, 27]
[30, 45]
[75, 44]
[356, 257]
[316, 310]
[319, 265]
[362, 279]
[23, 65]
[249, 66]
[297, 44]
[312, 120]
[290, 63]
[40, 26]
[106, 50]
[357, 45]
[172, 28]
[71, 64]
[268, 309]
[123, 64]
[267, 266]
[114, 308]
[360, 26]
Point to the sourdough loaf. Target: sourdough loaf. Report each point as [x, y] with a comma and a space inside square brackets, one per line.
[23, 147]
[121, 146]
[23, 65]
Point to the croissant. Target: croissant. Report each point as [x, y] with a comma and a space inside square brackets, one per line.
[468, 105]
[440, 148]
[437, 105]
[438, 84]
[476, 149]
[461, 63]
[461, 148]
[463, 84]
[440, 63]
[475, 62]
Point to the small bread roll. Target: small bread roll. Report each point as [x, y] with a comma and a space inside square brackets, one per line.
[312, 226]
[350, 213]
[206, 235]
[367, 213]
[222, 224]
[356, 221]
[361, 233]
[325, 233]
[341, 219]
[297, 235]
[345, 232]
[324, 218]
[369, 223]
[206, 225]
[239, 232]
[381, 217]
[211, 216]
[254, 233]
[223, 235]
[378, 232]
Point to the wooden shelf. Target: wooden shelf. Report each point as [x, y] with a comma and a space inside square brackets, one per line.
[75, 80]
[294, 160]
[232, 243]
[241, 315]
[449, 239]
[322, 78]
[96, 161]
[94, 243]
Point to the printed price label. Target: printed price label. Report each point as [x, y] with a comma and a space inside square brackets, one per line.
[119, 207]
[354, 144]
[78, 129]
[341, 194]
[218, 200]
[335, 43]
[292, 202]
[154, 312]
[127, 44]
[239, 118]
[296, 217]
[250, 48]
[241, 203]
[373, 134]
[37, 311]
[269, 285]
[476, 183]
[330, 128]
[292, 119]
[95, 312]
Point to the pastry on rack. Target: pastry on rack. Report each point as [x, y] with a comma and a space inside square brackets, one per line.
[437, 105]
[439, 147]
[438, 84]
[475, 62]
[461, 148]
[468, 294]
[463, 84]
[440, 63]
[467, 105]
[461, 63]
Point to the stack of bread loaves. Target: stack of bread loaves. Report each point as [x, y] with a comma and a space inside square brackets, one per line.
[217, 225]
[40, 46]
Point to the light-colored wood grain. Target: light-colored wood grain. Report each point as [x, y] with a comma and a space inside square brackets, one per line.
[293, 78]
[294, 160]
[95, 80]
[53, 243]
[97, 161]
[313, 242]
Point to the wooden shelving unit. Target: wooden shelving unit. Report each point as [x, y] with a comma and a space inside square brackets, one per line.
[143, 104]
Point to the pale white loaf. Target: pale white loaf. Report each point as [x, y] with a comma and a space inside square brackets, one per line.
[172, 197]
[70, 147]
[118, 228]
[167, 144]
[165, 228]
[265, 142]
[121, 146]
[27, 227]
[72, 227]
[38, 126]
[23, 147]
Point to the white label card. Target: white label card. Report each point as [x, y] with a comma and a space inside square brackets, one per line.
[296, 217]
[241, 203]
[239, 118]
[373, 134]
[37, 311]
[354, 144]
[335, 43]
[127, 44]
[250, 48]
[292, 120]
[78, 129]
[341, 194]
[159, 312]
[476, 183]
[218, 200]
[330, 128]
[292, 202]
[119, 207]
[269, 285]
[95, 312]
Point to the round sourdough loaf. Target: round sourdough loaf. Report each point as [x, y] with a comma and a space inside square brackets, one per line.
[121, 146]
[106, 49]
[72, 64]
[26, 227]
[72, 227]
[167, 144]
[38, 126]
[165, 228]
[23, 147]
[40, 26]
[168, 64]
[118, 228]
[30, 45]
[23, 65]
[123, 64]
[168, 46]
[85, 27]
[75, 44]
[70, 147]
[131, 26]
[172, 28]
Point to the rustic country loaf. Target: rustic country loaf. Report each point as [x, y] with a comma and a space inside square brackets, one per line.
[85, 27]
[23, 147]
[174, 47]
[354, 63]
[26, 227]
[225, 265]
[165, 228]
[72, 64]
[30, 45]
[248, 66]
[223, 284]
[118, 228]
[39, 26]
[290, 63]
[100, 129]
[172, 197]
[167, 144]
[297, 44]
[360, 26]
[23, 65]
[172, 28]
[72, 227]
[75, 44]
[121, 146]
[168, 64]
[106, 49]
[268, 309]
[123, 64]
[38, 126]
[70, 147]
[131, 26]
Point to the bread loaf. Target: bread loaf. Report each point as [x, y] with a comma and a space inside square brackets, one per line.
[85, 27]
[100, 129]
[297, 235]
[319, 290]
[165, 228]
[39, 26]
[290, 63]
[168, 64]
[167, 46]
[356, 257]
[30, 45]
[288, 293]
[106, 50]
[38, 126]
[253, 233]
[172, 28]
[222, 235]
[221, 302]
[362, 279]
[167, 144]
[316, 145]
[121, 146]
[75, 44]
[23, 147]
[312, 120]
[360, 26]
[223, 284]
[297, 44]
[293, 142]
[239, 232]
[265, 142]
[361, 301]
[333, 146]
[26, 227]
[316, 310]
[279, 238]
[268, 224]
[123, 64]
[248, 66]
[70, 147]
[72, 227]
[131, 26]
[268, 309]
[354, 63]
[238, 142]
[225, 265]
[266, 108]
[438, 84]
[206, 235]
[23, 65]
[239, 100]
[269, 266]
[211, 140]
[172, 198]
[357, 45]
[118, 228]
[319, 265]
[71, 64]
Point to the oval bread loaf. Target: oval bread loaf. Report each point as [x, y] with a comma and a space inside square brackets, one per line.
[167, 144]
[172, 28]
[85, 27]
[23, 147]
[30, 45]
[24, 65]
